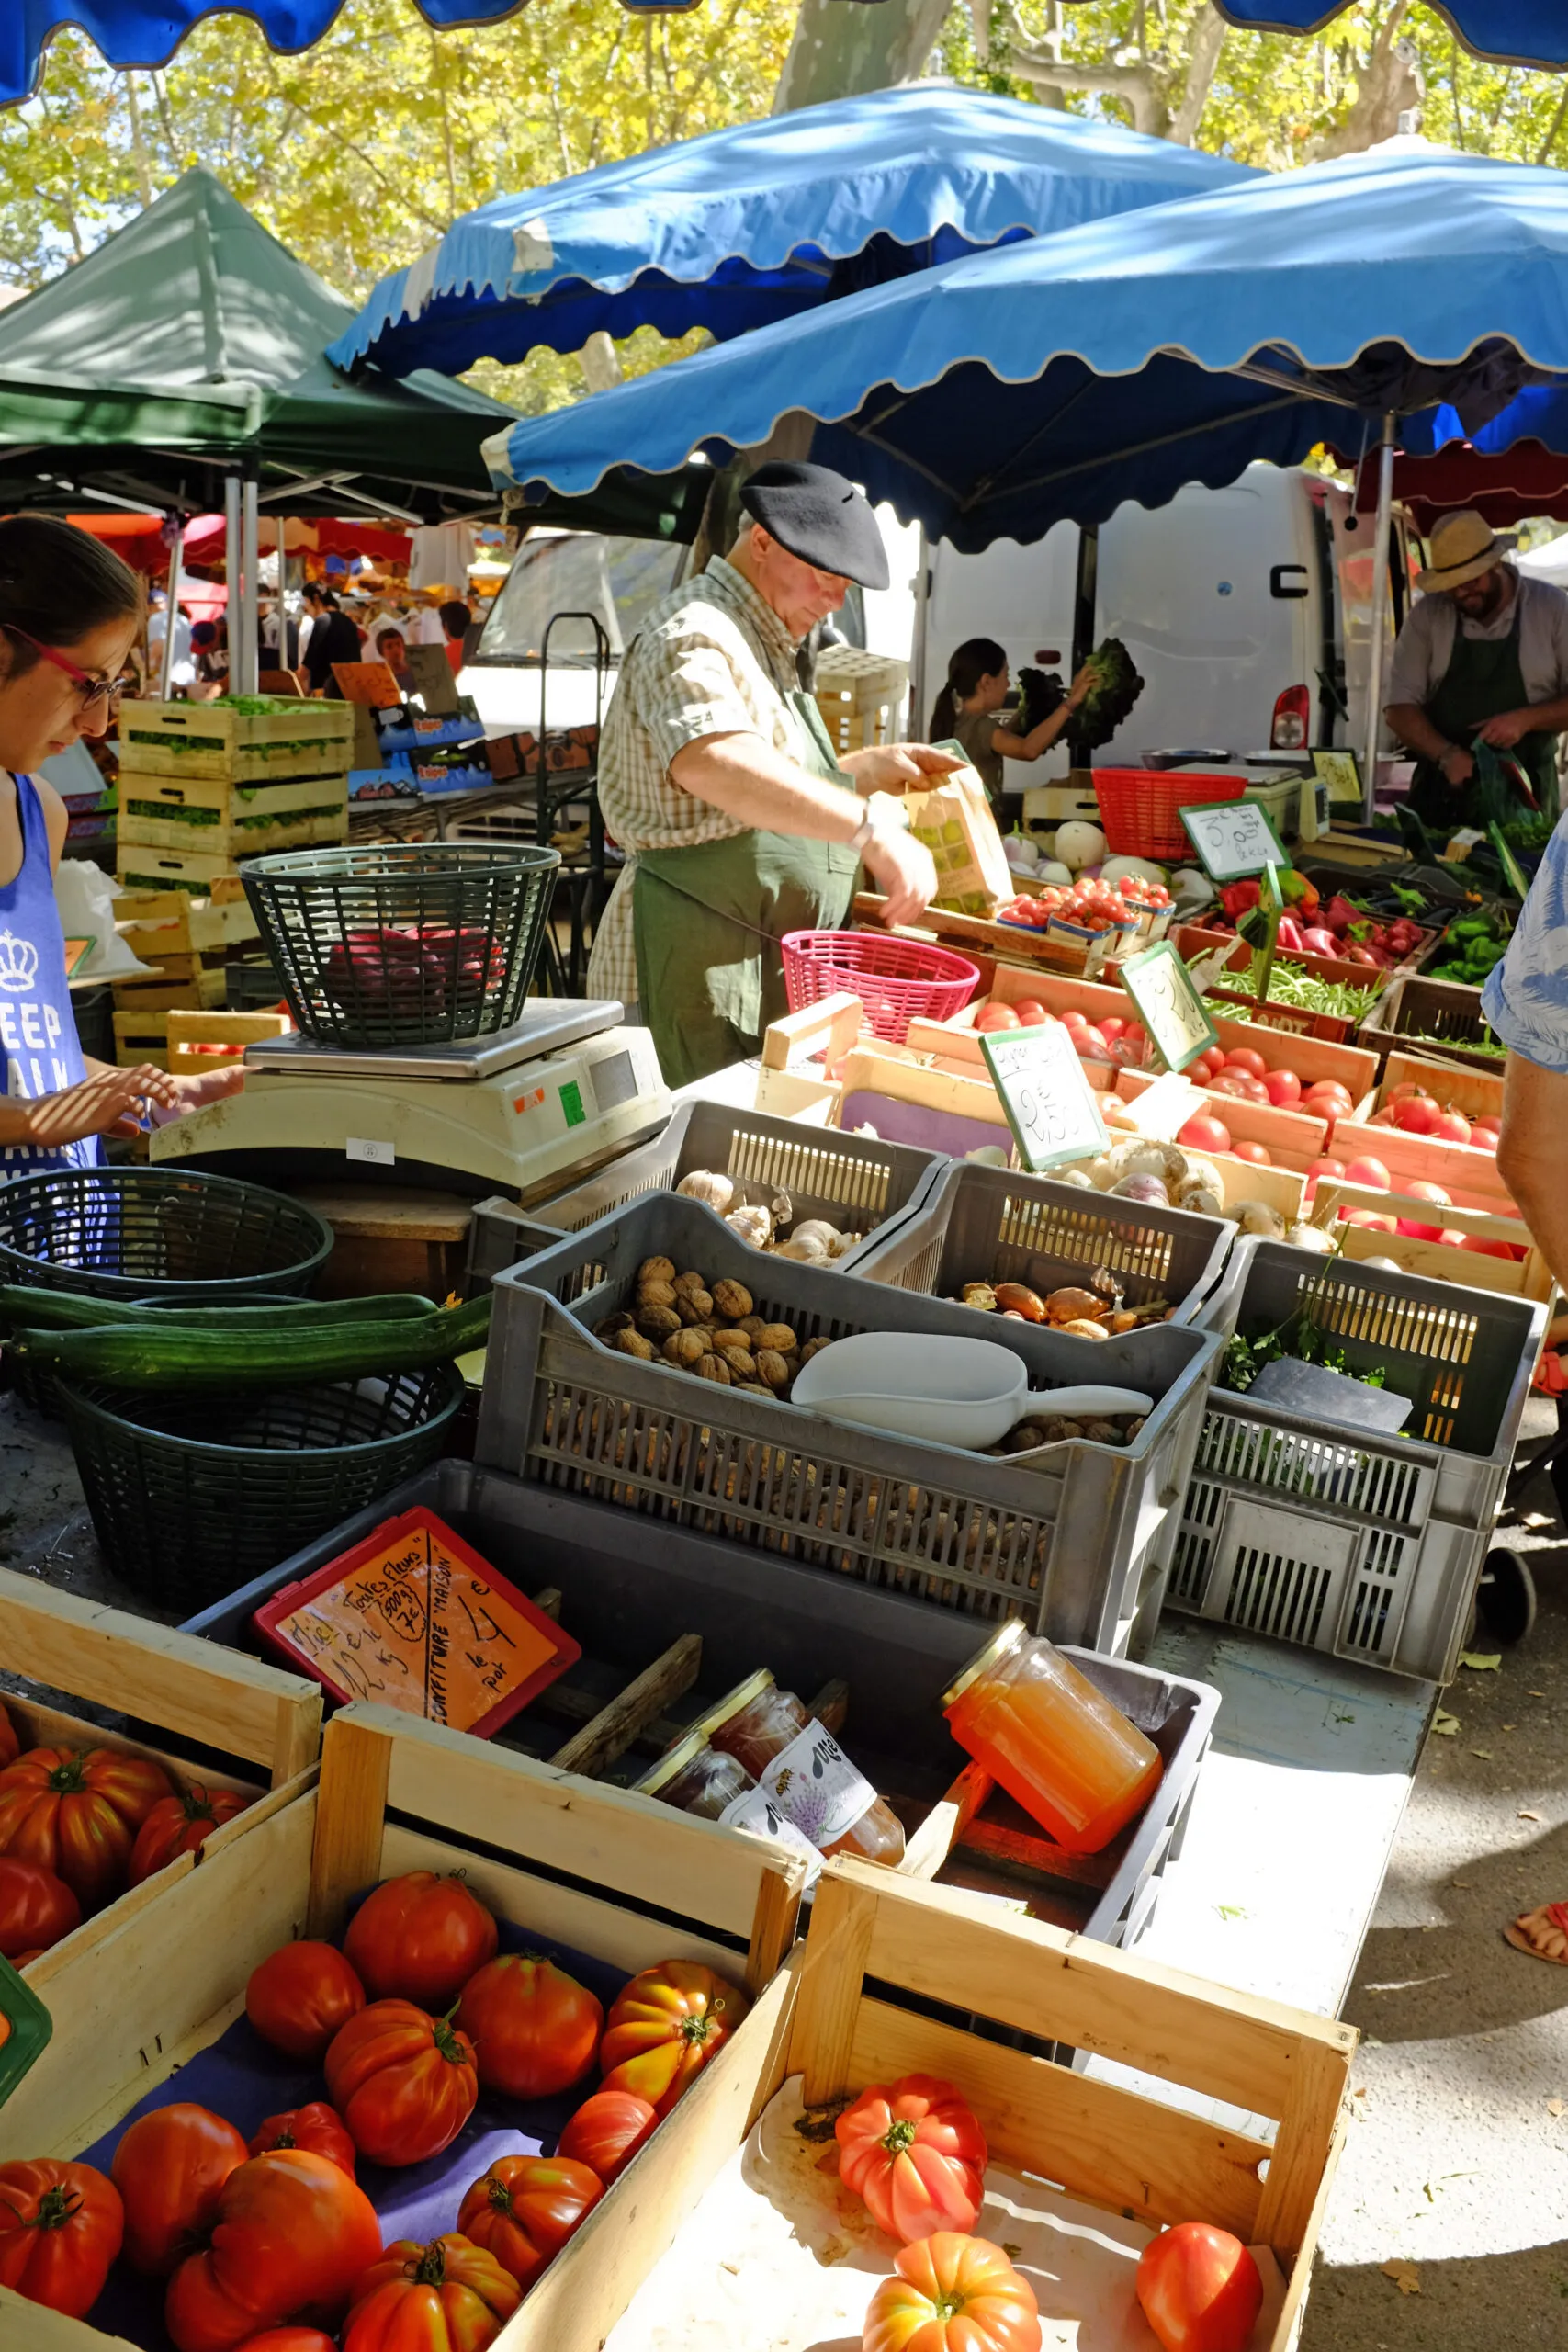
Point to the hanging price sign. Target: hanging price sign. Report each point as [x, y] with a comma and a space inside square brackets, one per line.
[1168, 1005]
[1233, 839]
[1049, 1101]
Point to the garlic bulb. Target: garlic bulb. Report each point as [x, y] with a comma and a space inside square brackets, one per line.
[705, 1184]
[1312, 1236]
[817, 1228]
[806, 1249]
[1262, 1217]
[753, 1225]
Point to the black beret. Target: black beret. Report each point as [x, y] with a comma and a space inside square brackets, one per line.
[818, 516]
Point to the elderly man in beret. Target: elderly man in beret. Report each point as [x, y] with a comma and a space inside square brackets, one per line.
[718, 779]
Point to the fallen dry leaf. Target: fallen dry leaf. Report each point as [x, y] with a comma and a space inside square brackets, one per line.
[1406, 2277]
[1527, 1815]
[1360, 2091]
[1463, 1884]
[1489, 1663]
[1556, 2107]
[1485, 1754]
[1445, 1725]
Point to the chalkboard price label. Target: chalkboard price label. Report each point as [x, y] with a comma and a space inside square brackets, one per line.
[1049, 1101]
[1168, 1005]
[1233, 839]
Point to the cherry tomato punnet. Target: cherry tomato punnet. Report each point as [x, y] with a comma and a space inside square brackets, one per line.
[77, 1812]
[1199, 2288]
[403, 2082]
[524, 2208]
[419, 1937]
[535, 2029]
[664, 2027]
[35, 1908]
[61, 2226]
[915, 2154]
[449, 2296]
[293, 2235]
[178, 1824]
[301, 1995]
[170, 2168]
[952, 2293]
[606, 2132]
[316, 2127]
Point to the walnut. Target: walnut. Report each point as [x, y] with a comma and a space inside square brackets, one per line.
[695, 1306]
[658, 1322]
[656, 1270]
[773, 1369]
[752, 1389]
[778, 1336]
[980, 1296]
[1102, 1432]
[611, 1325]
[684, 1283]
[750, 1324]
[732, 1299]
[684, 1349]
[1134, 1428]
[656, 1294]
[733, 1338]
[814, 1347]
[632, 1343]
[712, 1367]
[1025, 1437]
[741, 1361]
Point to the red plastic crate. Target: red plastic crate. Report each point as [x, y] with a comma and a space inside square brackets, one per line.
[1138, 808]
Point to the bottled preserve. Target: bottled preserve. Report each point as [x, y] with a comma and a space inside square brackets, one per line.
[697, 1778]
[801, 1765]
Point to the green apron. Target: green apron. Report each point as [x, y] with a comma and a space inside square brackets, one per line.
[707, 923]
[1483, 679]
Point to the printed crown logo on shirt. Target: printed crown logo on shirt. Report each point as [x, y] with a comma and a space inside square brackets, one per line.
[18, 963]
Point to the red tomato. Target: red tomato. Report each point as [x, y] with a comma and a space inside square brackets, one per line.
[10, 1746]
[1252, 1089]
[1283, 1089]
[420, 1939]
[1032, 1014]
[61, 2227]
[1245, 1058]
[1075, 1020]
[1488, 1122]
[1093, 1042]
[178, 1824]
[448, 2296]
[1451, 1127]
[1369, 1219]
[1230, 1082]
[1110, 1025]
[35, 1908]
[664, 2027]
[524, 2208]
[404, 2084]
[1482, 1247]
[535, 2029]
[301, 1996]
[952, 2293]
[996, 1016]
[292, 2236]
[1484, 1139]
[316, 2127]
[606, 2132]
[1205, 1134]
[915, 2156]
[1368, 1171]
[1255, 1154]
[77, 1812]
[1415, 1116]
[170, 2168]
[1329, 1089]
[1199, 2288]
[288, 2339]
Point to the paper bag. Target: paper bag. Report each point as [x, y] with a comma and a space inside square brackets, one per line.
[954, 819]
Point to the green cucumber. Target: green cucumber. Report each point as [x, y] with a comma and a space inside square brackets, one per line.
[148, 1355]
[67, 1310]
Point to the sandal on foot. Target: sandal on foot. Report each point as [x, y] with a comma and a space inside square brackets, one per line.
[1533, 1930]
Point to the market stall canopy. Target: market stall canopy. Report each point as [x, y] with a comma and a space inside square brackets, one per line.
[190, 343]
[1506, 32]
[1056, 378]
[1506, 486]
[143, 539]
[761, 220]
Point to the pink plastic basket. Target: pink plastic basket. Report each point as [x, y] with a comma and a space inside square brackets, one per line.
[898, 980]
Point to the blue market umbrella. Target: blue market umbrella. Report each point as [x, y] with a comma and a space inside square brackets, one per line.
[1507, 32]
[1055, 380]
[761, 221]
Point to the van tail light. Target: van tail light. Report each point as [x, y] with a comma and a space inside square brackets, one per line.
[1293, 720]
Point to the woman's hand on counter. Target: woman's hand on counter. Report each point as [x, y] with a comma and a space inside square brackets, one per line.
[108, 1102]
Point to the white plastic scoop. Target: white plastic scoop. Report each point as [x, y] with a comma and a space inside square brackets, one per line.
[955, 1392]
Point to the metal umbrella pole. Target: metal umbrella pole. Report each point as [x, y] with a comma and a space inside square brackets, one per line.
[233, 562]
[1380, 615]
[171, 600]
[249, 675]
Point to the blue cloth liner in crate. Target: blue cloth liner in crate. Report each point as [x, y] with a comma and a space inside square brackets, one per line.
[243, 2078]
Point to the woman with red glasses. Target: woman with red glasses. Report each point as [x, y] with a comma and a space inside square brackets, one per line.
[70, 613]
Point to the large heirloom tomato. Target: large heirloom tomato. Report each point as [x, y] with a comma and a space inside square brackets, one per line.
[59, 2229]
[77, 1810]
[288, 2339]
[170, 2168]
[316, 2127]
[35, 1908]
[301, 1996]
[952, 2293]
[420, 1939]
[606, 2132]
[915, 2154]
[178, 1824]
[535, 2029]
[664, 2027]
[10, 1746]
[404, 2083]
[525, 2208]
[1199, 2287]
[447, 2296]
[293, 2233]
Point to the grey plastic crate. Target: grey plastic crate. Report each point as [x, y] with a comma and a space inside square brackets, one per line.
[626, 1601]
[1371, 1551]
[980, 1225]
[1076, 1537]
[850, 1179]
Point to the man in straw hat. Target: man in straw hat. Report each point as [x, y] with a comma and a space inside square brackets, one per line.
[1482, 658]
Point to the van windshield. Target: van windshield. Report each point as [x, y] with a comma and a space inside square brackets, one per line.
[560, 572]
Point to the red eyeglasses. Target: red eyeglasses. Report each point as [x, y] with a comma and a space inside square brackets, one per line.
[89, 690]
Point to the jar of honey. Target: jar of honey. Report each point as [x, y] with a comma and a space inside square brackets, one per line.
[697, 1778]
[801, 1766]
[1051, 1739]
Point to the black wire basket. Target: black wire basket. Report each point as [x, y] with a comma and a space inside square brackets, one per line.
[389, 945]
[157, 1233]
[194, 1495]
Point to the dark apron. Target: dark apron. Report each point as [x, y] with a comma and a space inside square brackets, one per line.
[708, 922]
[1483, 678]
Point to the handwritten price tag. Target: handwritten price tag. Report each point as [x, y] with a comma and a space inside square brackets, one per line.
[1233, 839]
[1168, 1005]
[1049, 1103]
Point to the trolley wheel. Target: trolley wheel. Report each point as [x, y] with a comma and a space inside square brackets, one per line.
[1506, 1597]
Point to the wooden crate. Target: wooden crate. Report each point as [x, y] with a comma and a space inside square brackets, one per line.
[581, 1864]
[1441, 1261]
[174, 930]
[1465, 1170]
[141, 1036]
[1132, 2154]
[1439, 1020]
[296, 815]
[224, 1037]
[237, 746]
[146, 865]
[172, 992]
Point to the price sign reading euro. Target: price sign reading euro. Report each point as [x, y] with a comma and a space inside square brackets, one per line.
[1233, 839]
[1049, 1101]
[1168, 1005]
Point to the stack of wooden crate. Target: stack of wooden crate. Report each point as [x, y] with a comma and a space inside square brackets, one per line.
[203, 785]
[187, 942]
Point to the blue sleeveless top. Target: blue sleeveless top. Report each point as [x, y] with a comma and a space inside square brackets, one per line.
[40, 1051]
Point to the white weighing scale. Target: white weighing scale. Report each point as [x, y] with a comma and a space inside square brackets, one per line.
[561, 1089]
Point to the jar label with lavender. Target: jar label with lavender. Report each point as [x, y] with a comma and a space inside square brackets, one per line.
[813, 1782]
[756, 1811]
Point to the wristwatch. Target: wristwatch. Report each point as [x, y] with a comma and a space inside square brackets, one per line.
[862, 837]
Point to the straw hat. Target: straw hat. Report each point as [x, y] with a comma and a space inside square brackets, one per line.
[1462, 545]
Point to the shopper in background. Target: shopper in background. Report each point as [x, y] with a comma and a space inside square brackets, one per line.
[70, 615]
[184, 669]
[426, 619]
[455, 620]
[968, 711]
[333, 638]
[392, 647]
[209, 650]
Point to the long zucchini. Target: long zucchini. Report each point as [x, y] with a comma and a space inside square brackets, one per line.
[25, 1307]
[149, 1355]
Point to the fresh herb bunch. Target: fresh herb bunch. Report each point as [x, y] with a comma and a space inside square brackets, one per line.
[1043, 693]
